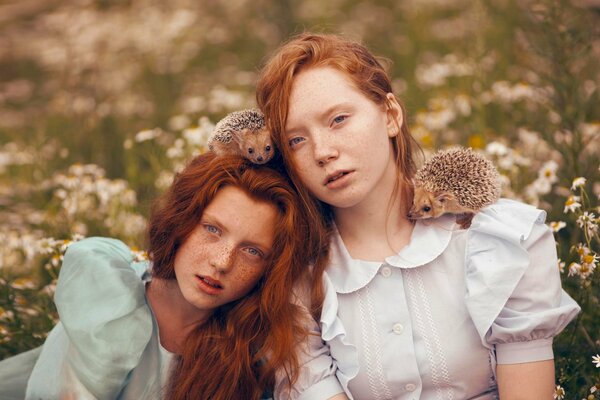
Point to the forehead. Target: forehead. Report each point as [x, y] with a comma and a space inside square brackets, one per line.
[320, 77]
[248, 218]
[316, 87]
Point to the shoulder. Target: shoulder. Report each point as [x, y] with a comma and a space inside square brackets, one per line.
[513, 285]
[104, 318]
[98, 272]
[507, 220]
[99, 246]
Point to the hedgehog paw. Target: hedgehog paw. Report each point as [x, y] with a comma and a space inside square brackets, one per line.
[464, 220]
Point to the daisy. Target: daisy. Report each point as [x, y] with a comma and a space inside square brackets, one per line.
[548, 171]
[574, 269]
[588, 222]
[578, 182]
[572, 204]
[557, 225]
[591, 260]
[559, 393]
[596, 360]
[23, 283]
[582, 250]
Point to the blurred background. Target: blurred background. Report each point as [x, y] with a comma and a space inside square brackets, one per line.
[101, 101]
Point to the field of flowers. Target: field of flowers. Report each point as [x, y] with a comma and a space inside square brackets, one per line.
[101, 101]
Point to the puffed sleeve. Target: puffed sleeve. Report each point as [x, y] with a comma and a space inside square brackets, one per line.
[316, 378]
[105, 323]
[514, 293]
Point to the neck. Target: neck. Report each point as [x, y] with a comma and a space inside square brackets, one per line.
[175, 317]
[377, 227]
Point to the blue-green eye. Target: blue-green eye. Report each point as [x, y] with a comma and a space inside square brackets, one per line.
[254, 252]
[294, 141]
[339, 119]
[212, 229]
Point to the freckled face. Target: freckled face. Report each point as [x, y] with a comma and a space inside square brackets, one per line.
[225, 255]
[340, 139]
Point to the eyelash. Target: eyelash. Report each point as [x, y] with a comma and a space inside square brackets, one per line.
[254, 252]
[294, 141]
[212, 229]
[337, 117]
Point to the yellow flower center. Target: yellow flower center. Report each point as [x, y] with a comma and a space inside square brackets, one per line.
[588, 259]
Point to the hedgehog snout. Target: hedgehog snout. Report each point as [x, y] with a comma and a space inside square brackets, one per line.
[412, 214]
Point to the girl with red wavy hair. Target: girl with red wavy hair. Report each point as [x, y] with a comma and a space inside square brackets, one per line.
[411, 309]
[218, 313]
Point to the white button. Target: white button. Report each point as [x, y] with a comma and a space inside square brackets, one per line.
[398, 329]
[410, 387]
[386, 272]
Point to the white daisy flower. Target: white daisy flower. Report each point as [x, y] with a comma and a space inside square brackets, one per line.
[572, 204]
[578, 182]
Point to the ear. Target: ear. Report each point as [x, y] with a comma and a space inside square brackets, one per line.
[444, 197]
[395, 117]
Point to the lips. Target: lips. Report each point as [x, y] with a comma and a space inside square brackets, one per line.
[209, 285]
[335, 176]
[212, 282]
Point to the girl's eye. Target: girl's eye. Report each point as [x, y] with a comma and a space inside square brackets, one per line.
[339, 119]
[254, 252]
[296, 140]
[212, 229]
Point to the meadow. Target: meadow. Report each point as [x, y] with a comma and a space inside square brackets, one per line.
[102, 101]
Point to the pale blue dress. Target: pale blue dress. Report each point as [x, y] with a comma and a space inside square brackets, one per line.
[107, 345]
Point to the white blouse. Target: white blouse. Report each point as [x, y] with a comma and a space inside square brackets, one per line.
[432, 321]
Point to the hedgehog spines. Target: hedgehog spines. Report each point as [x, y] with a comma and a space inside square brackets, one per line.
[472, 178]
[225, 130]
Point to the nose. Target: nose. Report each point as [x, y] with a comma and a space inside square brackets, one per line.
[222, 258]
[323, 148]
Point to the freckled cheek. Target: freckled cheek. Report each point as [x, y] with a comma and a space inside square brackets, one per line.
[300, 161]
[247, 275]
[191, 257]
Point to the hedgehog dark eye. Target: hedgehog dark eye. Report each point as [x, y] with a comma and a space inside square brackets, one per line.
[268, 148]
[250, 150]
[426, 208]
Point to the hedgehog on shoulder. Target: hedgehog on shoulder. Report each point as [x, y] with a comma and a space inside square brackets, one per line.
[243, 133]
[457, 181]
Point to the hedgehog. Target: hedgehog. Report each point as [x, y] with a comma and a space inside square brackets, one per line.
[243, 133]
[457, 181]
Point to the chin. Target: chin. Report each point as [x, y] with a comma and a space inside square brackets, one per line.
[343, 203]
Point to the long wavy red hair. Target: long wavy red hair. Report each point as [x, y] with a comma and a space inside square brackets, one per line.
[238, 351]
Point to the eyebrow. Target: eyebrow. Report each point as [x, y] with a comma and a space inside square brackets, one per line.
[322, 114]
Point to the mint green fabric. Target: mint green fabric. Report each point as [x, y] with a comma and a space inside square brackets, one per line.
[106, 344]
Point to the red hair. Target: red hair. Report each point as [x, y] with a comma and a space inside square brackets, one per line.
[357, 63]
[237, 352]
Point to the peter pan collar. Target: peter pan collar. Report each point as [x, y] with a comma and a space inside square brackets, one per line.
[428, 240]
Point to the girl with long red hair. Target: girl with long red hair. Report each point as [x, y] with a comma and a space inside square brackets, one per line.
[412, 309]
[219, 313]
